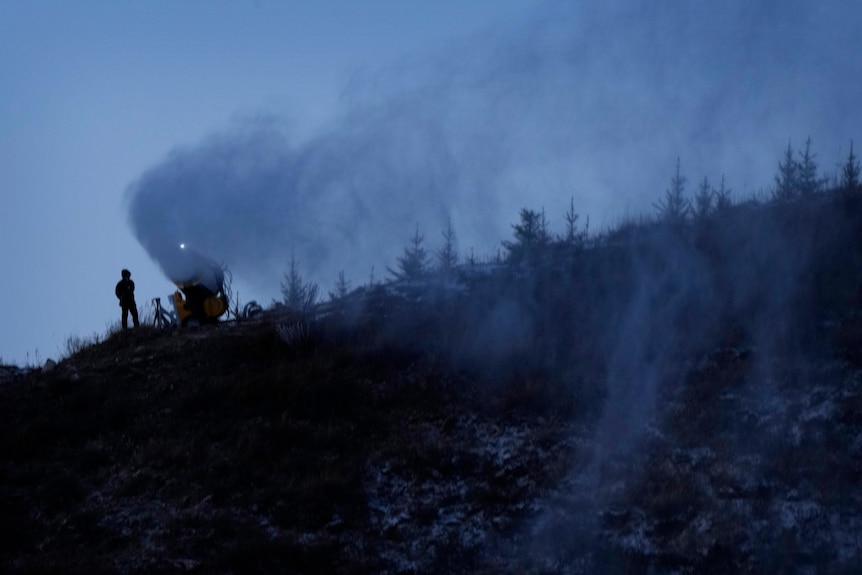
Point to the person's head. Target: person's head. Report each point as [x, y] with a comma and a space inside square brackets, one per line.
[126, 274]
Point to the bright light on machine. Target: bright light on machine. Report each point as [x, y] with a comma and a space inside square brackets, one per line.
[201, 281]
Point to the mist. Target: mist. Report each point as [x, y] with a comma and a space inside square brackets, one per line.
[592, 101]
[589, 101]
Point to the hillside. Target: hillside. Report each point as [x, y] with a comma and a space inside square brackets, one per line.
[669, 400]
[228, 450]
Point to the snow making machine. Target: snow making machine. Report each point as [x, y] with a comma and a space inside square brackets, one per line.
[205, 300]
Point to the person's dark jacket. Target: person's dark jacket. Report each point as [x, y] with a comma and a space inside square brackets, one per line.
[125, 292]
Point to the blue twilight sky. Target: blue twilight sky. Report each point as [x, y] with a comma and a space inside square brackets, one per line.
[254, 130]
[94, 93]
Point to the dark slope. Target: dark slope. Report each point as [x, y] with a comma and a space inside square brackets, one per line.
[228, 450]
[667, 399]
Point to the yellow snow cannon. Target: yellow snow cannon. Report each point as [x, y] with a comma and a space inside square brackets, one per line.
[205, 300]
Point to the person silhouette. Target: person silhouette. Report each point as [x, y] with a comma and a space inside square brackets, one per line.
[125, 292]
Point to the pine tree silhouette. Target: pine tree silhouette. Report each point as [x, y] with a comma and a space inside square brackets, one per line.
[342, 288]
[808, 182]
[674, 208]
[722, 197]
[704, 200]
[850, 173]
[298, 294]
[531, 236]
[571, 218]
[413, 263]
[447, 255]
[787, 178]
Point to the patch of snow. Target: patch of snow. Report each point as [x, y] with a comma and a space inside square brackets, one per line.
[702, 524]
[846, 532]
[635, 538]
[821, 411]
[794, 514]
[795, 435]
[271, 531]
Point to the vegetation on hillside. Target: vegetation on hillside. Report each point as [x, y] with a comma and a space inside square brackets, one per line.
[682, 393]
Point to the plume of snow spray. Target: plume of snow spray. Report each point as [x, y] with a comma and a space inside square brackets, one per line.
[589, 101]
